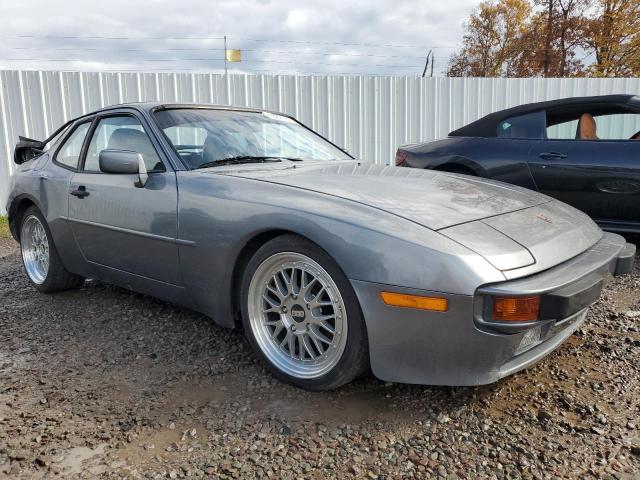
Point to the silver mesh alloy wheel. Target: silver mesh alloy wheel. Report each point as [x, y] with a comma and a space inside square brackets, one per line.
[35, 249]
[297, 315]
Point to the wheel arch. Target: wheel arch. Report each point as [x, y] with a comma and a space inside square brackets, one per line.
[245, 254]
[15, 211]
[250, 247]
[459, 164]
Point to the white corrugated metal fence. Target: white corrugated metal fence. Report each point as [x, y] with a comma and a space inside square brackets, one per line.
[369, 116]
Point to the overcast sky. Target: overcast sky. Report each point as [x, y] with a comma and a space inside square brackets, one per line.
[388, 37]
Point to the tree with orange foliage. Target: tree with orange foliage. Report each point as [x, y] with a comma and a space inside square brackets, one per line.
[613, 36]
[553, 45]
[553, 38]
[492, 42]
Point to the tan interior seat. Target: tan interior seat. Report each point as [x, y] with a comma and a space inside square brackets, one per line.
[587, 127]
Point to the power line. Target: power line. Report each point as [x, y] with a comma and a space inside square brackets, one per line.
[337, 58]
[104, 37]
[208, 72]
[213, 60]
[378, 45]
[265, 40]
[252, 50]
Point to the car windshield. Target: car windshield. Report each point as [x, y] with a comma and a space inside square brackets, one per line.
[210, 137]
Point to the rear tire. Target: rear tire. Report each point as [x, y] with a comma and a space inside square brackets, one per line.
[40, 258]
[301, 315]
[457, 169]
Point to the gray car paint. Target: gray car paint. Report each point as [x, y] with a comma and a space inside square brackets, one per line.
[367, 243]
[183, 237]
[434, 200]
[413, 346]
[510, 227]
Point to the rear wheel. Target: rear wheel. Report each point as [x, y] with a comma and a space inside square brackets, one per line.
[40, 257]
[457, 169]
[301, 315]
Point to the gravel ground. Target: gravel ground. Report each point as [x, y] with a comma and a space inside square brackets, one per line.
[102, 382]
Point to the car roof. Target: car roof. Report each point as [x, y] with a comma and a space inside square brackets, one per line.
[564, 109]
[152, 106]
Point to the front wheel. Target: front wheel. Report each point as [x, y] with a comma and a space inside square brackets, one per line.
[302, 316]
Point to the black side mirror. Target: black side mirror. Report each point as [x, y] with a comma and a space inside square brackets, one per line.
[26, 149]
[124, 162]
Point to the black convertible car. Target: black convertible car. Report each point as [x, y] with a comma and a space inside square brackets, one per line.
[584, 151]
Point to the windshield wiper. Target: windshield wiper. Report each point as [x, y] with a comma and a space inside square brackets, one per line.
[240, 159]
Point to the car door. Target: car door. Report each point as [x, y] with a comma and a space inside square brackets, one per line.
[600, 177]
[118, 225]
[65, 152]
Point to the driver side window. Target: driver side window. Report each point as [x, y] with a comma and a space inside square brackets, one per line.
[121, 133]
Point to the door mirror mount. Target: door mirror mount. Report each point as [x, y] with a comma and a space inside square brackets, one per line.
[124, 162]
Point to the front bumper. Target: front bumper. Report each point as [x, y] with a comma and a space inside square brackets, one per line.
[458, 347]
[565, 289]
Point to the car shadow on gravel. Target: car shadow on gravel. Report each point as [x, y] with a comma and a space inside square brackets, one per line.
[137, 348]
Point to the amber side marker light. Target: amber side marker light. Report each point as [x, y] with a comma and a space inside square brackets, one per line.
[516, 309]
[436, 304]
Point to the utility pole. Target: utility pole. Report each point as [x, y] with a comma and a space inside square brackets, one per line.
[225, 54]
[433, 60]
[426, 65]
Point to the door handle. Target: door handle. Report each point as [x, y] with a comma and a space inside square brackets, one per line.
[552, 156]
[80, 192]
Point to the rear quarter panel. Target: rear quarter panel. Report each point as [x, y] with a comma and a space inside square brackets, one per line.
[46, 185]
[501, 159]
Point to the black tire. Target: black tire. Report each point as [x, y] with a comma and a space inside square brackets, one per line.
[58, 278]
[355, 357]
[457, 169]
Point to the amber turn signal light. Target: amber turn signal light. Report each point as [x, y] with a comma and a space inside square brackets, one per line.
[436, 304]
[516, 309]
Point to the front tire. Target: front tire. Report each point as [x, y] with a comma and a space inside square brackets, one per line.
[301, 315]
[40, 258]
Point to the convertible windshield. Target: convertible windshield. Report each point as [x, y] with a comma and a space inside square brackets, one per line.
[210, 137]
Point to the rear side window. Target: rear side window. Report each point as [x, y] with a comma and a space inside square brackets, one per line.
[69, 153]
[530, 125]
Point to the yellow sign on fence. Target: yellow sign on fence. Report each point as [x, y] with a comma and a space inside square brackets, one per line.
[233, 55]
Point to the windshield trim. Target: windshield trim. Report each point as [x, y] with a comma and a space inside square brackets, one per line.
[176, 106]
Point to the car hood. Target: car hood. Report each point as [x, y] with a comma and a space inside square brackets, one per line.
[531, 240]
[518, 231]
[433, 199]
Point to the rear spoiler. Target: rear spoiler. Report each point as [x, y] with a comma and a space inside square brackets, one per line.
[28, 148]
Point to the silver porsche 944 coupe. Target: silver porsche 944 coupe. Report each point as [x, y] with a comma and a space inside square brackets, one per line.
[331, 265]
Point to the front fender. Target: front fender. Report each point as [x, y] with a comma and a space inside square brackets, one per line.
[219, 215]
